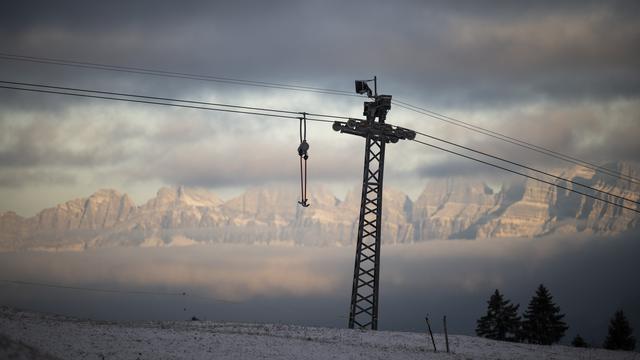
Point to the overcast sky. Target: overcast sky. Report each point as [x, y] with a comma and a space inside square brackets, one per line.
[560, 76]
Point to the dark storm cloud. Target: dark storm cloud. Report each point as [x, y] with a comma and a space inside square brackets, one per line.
[457, 53]
[100, 16]
[573, 62]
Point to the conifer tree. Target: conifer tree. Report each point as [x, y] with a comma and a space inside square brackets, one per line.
[542, 321]
[620, 335]
[501, 321]
[578, 341]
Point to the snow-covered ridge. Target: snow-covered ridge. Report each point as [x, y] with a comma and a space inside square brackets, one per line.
[446, 209]
[70, 338]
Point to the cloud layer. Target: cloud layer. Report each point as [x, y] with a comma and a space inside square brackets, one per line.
[588, 276]
[563, 76]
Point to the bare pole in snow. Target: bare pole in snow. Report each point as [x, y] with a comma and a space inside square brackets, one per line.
[446, 336]
[431, 333]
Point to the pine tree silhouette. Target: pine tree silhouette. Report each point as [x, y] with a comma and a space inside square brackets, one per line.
[542, 321]
[578, 341]
[620, 333]
[501, 321]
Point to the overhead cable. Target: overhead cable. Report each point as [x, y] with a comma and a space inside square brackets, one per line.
[157, 103]
[282, 86]
[164, 73]
[84, 95]
[514, 141]
[527, 176]
[137, 96]
[526, 167]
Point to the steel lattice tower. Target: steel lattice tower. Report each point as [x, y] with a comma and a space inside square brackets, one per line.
[363, 312]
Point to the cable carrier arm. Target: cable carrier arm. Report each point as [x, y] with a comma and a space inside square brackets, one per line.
[377, 131]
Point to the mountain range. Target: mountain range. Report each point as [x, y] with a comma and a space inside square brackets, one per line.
[446, 209]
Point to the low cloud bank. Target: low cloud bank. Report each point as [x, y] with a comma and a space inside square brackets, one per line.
[589, 276]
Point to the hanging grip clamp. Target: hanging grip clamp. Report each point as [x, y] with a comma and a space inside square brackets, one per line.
[303, 149]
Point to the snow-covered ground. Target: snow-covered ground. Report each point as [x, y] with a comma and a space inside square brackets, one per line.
[69, 338]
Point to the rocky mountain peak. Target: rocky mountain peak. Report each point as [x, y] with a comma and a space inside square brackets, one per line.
[278, 199]
[102, 194]
[183, 196]
[446, 209]
[197, 197]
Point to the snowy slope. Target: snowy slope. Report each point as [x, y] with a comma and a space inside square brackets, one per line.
[69, 338]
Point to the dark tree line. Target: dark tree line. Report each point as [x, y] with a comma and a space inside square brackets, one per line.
[620, 336]
[542, 323]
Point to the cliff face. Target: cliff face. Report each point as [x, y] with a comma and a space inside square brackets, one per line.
[450, 207]
[446, 209]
